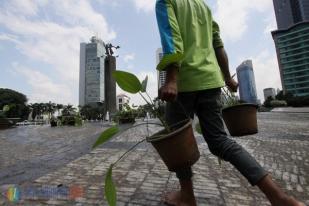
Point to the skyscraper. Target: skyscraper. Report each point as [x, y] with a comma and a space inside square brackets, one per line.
[161, 74]
[246, 80]
[290, 12]
[91, 76]
[292, 45]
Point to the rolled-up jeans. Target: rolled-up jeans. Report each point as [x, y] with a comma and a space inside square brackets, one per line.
[206, 104]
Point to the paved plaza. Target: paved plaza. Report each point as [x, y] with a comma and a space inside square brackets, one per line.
[62, 157]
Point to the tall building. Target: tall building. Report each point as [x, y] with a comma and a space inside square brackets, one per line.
[292, 45]
[269, 92]
[290, 12]
[246, 80]
[92, 72]
[161, 74]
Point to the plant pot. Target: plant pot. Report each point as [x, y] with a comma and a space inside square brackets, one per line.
[126, 120]
[177, 149]
[241, 119]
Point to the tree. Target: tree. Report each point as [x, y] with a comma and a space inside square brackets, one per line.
[68, 110]
[58, 107]
[281, 96]
[50, 109]
[94, 111]
[267, 102]
[17, 103]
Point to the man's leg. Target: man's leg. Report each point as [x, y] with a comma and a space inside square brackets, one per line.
[174, 114]
[209, 113]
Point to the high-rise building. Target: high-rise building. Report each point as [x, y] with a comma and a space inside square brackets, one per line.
[269, 92]
[161, 74]
[290, 12]
[92, 72]
[292, 45]
[246, 80]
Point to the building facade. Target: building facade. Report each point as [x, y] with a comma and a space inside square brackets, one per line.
[160, 74]
[246, 80]
[290, 12]
[292, 47]
[91, 77]
[121, 100]
[269, 92]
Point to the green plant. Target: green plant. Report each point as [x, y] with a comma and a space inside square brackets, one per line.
[228, 98]
[129, 83]
[278, 103]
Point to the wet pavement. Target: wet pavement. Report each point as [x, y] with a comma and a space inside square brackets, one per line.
[28, 152]
[61, 157]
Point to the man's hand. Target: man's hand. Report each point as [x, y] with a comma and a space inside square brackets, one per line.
[231, 84]
[168, 92]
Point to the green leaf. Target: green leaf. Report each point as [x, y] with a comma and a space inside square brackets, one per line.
[198, 128]
[110, 189]
[169, 59]
[127, 81]
[144, 84]
[106, 135]
[6, 108]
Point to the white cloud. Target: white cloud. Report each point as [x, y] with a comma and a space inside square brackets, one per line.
[266, 72]
[152, 88]
[271, 24]
[233, 16]
[144, 5]
[43, 88]
[25, 7]
[129, 57]
[54, 41]
[9, 37]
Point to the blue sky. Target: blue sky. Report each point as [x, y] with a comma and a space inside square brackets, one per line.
[39, 41]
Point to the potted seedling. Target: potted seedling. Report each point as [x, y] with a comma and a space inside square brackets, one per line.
[175, 144]
[240, 118]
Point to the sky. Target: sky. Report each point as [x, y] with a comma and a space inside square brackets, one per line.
[40, 39]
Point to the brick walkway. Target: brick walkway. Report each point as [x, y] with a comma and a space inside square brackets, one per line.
[282, 147]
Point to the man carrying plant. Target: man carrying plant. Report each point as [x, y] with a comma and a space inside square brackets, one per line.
[197, 68]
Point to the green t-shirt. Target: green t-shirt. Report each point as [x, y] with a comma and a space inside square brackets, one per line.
[188, 36]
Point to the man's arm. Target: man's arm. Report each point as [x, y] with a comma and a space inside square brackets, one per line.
[224, 66]
[222, 58]
[168, 92]
[172, 46]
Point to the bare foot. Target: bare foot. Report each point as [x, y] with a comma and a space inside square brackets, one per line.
[287, 201]
[179, 199]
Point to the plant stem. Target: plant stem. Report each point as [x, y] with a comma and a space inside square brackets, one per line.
[145, 99]
[152, 106]
[149, 98]
[122, 156]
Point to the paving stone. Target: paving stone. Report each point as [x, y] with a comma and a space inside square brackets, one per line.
[142, 178]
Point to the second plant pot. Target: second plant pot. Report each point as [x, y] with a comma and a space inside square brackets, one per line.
[177, 149]
[241, 119]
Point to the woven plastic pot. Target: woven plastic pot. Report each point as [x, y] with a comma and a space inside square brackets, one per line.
[241, 119]
[177, 149]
